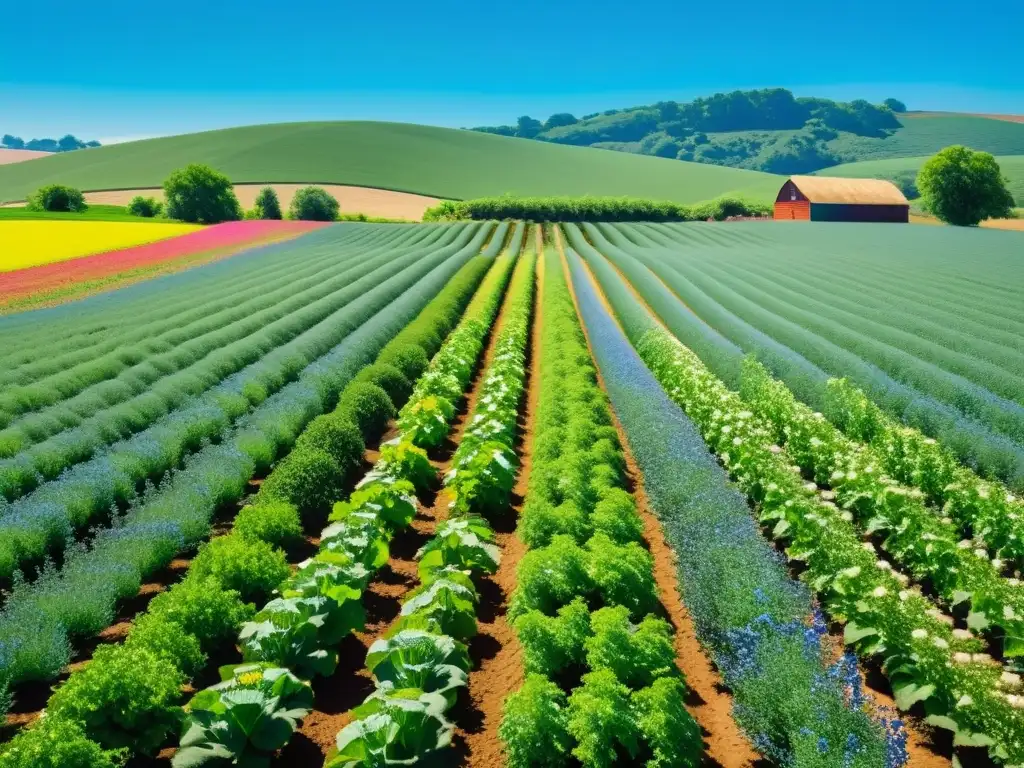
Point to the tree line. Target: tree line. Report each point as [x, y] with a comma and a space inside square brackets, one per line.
[67, 143]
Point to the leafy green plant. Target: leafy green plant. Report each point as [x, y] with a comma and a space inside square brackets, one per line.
[360, 539]
[552, 645]
[54, 742]
[368, 406]
[534, 725]
[392, 501]
[198, 193]
[202, 607]
[125, 697]
[465, 543]
[167, 640]
[314, 204]
[310, 479]
[252, 568]
[392, 730]
[483, 478]
[389, 378]
[963, 187]
[425, 421]
[638, 654]
[666, 728]
[600, 719]
[336, 436]
[267, 205]
[244, 719]
[446, 604]
[413, 659]
[402, 459]
[275, 522]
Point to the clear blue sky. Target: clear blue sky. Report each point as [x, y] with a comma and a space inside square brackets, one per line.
[123, 69]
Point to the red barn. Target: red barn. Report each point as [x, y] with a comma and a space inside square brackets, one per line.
[824, 198]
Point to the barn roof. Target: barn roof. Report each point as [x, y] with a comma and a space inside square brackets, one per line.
[828, 189]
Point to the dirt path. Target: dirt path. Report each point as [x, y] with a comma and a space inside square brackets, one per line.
[497, 655]
[709, 701]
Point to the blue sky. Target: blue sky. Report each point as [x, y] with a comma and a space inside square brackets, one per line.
[121, 69]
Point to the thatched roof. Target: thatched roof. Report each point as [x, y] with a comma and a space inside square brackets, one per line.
[828, 189]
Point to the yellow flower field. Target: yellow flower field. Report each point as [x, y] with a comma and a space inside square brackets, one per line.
[31, 243]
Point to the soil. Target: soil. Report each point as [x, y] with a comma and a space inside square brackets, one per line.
[373, 202]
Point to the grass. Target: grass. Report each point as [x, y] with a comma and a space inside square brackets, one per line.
[927, 135]
[92, 213]
[903, 171]
[440, 162]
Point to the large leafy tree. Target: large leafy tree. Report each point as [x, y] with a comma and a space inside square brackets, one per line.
[314, 204]
[963, 187]
[197, 193]
[267, 205]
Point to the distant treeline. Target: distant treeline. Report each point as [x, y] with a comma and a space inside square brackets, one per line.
[591, 209]
[66, 144]
[769, 130]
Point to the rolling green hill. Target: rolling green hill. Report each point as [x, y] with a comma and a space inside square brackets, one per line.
[440, 162]
[903, 171]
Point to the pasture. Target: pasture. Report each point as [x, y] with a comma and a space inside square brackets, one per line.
[505, 493]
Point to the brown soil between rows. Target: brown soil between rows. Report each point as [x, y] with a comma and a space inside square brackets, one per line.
[335, 697]
[926, 747]
[709, 701]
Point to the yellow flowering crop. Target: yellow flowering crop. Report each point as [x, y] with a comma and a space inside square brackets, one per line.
[30, 243]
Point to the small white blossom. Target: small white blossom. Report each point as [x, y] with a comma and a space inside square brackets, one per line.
[939, 642]
[879, 592]
[919, 634]
[962, 634]
[962, 658]
[964, 701]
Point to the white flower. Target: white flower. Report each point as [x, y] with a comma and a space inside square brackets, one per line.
[879, 592]
[962, 658]
[997, 564]
[737, 441]
[938, 642]
[1008, 613]
[1009, 679]
[981, 658]
[847, 516]
[904, 595]
[775, 449]
[919, 634]
[962, 634]
[964, 701]
[965, 544]
[851, 572]
[981, 553]
[883, 565]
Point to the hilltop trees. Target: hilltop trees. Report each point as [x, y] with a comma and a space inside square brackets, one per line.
[199, 194]
[65, 144]
[964, 187]
[895, 105]
[314, 204]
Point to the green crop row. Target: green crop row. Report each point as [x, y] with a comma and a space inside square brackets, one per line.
[203, 613]
[422, 661]
[984, 508]
[601, 673]
[915, 536]
[927, 661]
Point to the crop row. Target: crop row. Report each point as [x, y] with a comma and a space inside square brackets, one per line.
[64, 400]
[717, 317]
[42, 521]
[914, 535]
[79, 600]
[601, 669]
[421, 662]
[794, 703]
[48, 342]
[208, 608]
[926, 659]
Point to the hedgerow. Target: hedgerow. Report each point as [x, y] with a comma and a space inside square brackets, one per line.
[749, 614]
[583, 602]
[544, 209]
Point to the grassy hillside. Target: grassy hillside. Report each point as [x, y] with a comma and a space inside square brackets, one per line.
[927, 135]
[903, 171]
[441, 162]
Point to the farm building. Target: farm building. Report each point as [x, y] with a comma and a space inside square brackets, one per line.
[822, 198]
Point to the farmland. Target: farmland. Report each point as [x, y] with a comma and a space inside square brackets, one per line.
[520, 494]
[437, 162]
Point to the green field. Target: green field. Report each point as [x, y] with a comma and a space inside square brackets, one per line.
[441, 162]
[92, 213]
[903, 171]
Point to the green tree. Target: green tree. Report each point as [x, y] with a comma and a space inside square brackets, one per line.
[895, 105]
[146, 207]
[12, 142]
[199, 194]
[314, 204]
[267, 206]
[58, 198]
[560, 119]
[528, 127]
[69, 143]
[963, 187]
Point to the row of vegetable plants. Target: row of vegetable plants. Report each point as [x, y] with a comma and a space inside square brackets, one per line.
[39, 620]
[927, 660]
[209, 608]
[165, 371]
[793, 353]
[420, 664]
[917, 537]
[602, 683]
[40, 523]
[795, 703]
